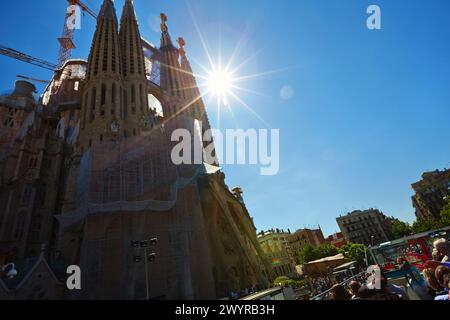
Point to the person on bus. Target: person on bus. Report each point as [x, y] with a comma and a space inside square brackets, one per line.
[442, 246]
[436, 256]
[442, 274]
[433, 285]
[338, 292]
[354, 289]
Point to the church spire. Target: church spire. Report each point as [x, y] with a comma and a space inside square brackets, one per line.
[128, 11]
[133, 69]
[101, 106]
[130, 40]
[190, 86]
[191, 93]
[171, 79]
[166, 41]
[188, 79]
[104, 56]
[107, 11]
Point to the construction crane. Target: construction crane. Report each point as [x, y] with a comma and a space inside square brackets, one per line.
[15, 54]
[32, 79]
[66, 41]
[66, 44]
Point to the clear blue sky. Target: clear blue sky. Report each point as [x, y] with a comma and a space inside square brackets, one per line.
[370, 108]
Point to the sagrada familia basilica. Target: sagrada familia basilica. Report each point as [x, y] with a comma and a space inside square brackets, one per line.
[86, 179]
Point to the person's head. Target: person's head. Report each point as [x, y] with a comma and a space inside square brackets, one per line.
[446, 280]
[338, 292]
[442, 246]
[354, 287]
[365, 293]
[430, 278]
[439, 274]
[436, 256]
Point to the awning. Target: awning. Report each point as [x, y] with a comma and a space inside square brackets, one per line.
[345, 266]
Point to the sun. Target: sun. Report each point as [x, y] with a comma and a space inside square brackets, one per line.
[220, 83]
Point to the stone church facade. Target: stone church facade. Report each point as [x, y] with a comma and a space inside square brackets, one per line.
[86, 174]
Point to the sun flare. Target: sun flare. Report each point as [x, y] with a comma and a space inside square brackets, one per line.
[220, 82]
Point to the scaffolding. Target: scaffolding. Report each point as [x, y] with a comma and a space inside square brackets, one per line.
[134, 175]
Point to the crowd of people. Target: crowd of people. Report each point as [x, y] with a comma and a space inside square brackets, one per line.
[436, 275]
[320, 285]
[239, 294]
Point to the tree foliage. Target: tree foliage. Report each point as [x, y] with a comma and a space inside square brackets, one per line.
[445, 215]
[422, 225]
[354, 252]
[286, 282]
[401, 229]
[308, 253]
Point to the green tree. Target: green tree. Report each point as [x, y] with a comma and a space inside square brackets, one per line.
[422, 225]
[285, 281]
[400, 229]
[307, 254]
[326, 250]
[354, 252]
[281, 280]
[445, 214]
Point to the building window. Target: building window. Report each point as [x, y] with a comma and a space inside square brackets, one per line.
[41, 194]
[9, 121]
[141, 95]
[103, 94]
[85, 104]
[20, 225]
[93, 100]
[26, 195]
[32, 163]
[133, 99]
[125, 104]
[113, 93]
[35, 227]
[76, 85]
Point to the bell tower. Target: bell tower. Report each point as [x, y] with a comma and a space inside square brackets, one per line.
[102, 111]
[171, 75]
[135, 101]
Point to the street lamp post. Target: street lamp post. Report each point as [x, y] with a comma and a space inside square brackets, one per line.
[10, 270]
[148, 257]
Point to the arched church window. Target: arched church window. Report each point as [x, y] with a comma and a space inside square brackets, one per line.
[133, 94]
[103, 94]
[20, 224]
[41, 194]
[141, 95]
[93, 100]
[26, 195]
